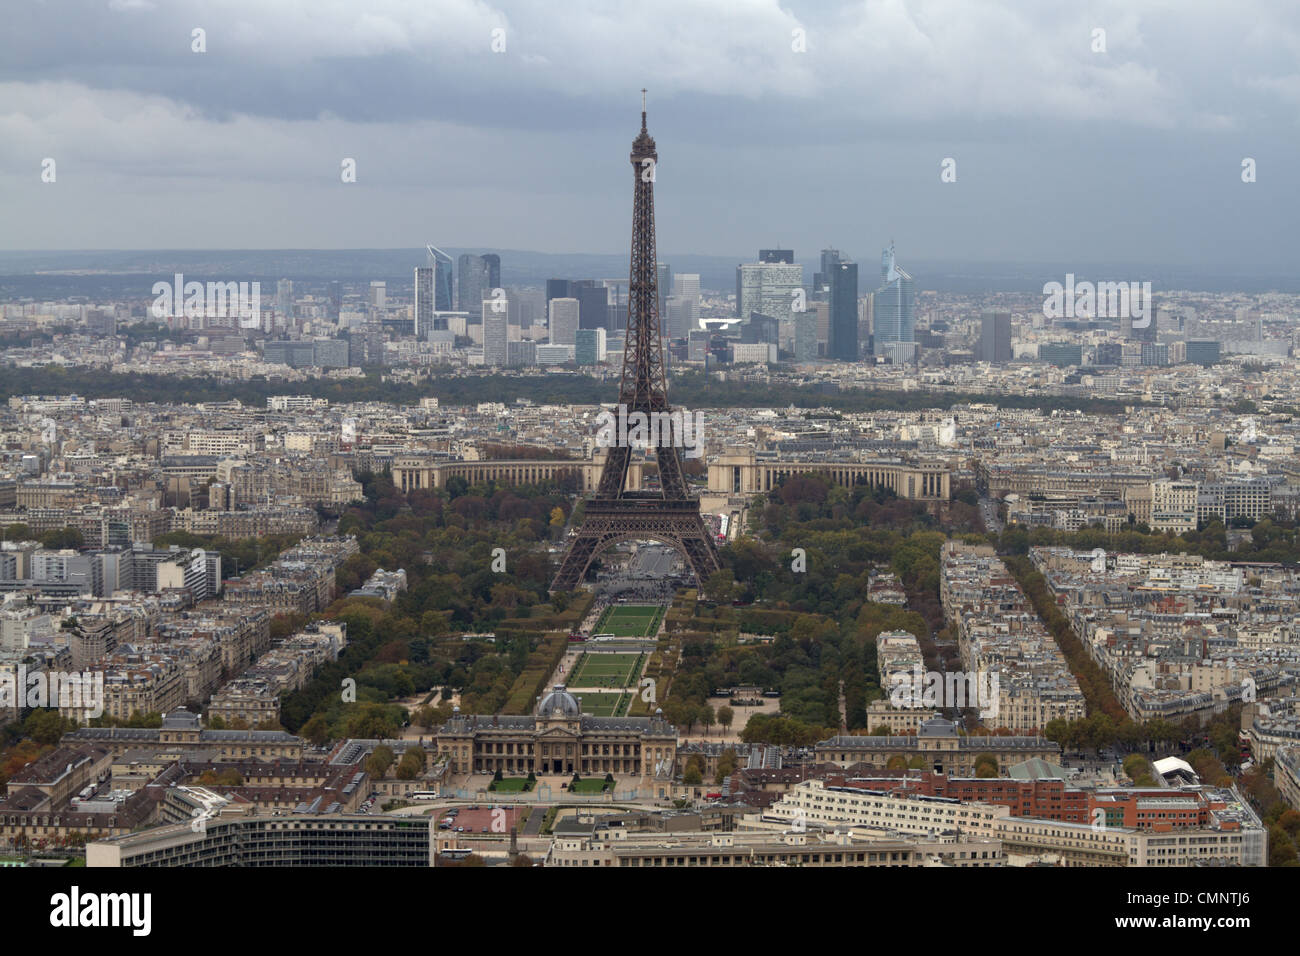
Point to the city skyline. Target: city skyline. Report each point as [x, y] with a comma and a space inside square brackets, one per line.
[443, 554]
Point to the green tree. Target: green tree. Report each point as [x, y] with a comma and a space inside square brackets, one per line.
[316, 730]
[379, 761]
[725, 716]
[986, 765]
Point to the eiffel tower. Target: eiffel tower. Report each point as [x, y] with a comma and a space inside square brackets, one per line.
[672, 514]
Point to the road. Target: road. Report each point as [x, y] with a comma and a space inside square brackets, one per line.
[989, 512]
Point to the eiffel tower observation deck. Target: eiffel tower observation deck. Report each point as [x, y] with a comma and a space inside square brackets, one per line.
[670, 515]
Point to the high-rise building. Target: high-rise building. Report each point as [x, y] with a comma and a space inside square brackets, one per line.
[284, 299]
[589, 346]
[760, 328]
[686, 290]
[822, 278]
[593, 303]
[1155, 353]
[559, 289]
[496, 333]
[1203, 351]
[336, 300]
[772, 289]
[664, 278]
[423, 300]
[866, 320]
[1108, 353]
[563, 321]
[330, 353]
[441, 265]
[995, 337]
[104, 321]
[681, 317]
[1060, 353]
[477, 276]
[895, 305]
[378, 294]
[804, 337]
[521, 354]
[776, 256]
[843, 285]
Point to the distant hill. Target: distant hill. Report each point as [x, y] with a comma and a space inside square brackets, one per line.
[101, 272]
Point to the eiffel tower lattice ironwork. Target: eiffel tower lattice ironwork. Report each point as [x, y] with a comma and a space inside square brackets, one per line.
[672, 514]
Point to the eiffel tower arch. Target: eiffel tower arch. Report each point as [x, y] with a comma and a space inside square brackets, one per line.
[670, 515]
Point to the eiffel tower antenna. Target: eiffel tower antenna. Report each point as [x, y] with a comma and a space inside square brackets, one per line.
[670, 515]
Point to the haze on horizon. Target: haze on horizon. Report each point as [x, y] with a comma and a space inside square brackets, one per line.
[1062, 153]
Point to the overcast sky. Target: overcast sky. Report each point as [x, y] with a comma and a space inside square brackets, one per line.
[1061, 152]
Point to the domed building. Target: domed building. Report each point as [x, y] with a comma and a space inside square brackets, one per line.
[558, 739]
[559, 703]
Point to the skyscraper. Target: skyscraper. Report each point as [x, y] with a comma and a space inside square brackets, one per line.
[476, 277]
[496, 333]
[686, 289]
[895, 305]
[995, 337]
[776, 256]
[822, 278]
[664, 277]
[805, 336]
[559, 289]
[589, 346]
[336, 300]
[441, 264]
[284, 299]
[563, 321]
[843, 283]
[768, 287]
[423, 300]
[593, 303]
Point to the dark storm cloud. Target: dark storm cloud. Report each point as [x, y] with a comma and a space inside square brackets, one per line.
[1061, 151]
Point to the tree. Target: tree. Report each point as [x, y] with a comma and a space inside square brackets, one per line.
[57, 540]
[986, 765]
[707, 717]
[721, 586]
[412, 764]
[726, 765]
[473, 860]
[379, 761]
[692, 776]
[725, 716]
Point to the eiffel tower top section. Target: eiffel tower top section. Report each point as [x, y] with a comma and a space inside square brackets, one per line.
[643, 147]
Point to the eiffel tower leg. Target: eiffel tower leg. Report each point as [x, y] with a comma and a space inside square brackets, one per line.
[606, 524]
[576, 560]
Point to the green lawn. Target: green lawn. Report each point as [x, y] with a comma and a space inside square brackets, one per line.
[588, 785]
[510, 785]
[601, 705]
[630, 620]
[606, 670]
